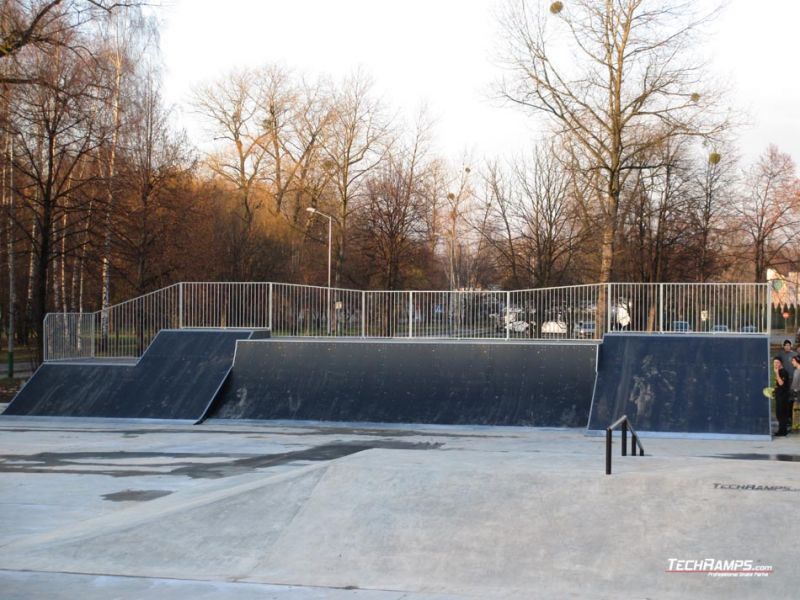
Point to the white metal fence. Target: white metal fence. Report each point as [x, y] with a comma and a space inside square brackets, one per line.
[572, 312]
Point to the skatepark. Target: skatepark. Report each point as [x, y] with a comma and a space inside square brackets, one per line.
[228, 459]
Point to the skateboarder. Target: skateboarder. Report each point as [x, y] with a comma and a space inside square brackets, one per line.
[782, 393]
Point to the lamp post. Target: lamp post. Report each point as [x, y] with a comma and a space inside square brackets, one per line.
[314, 211]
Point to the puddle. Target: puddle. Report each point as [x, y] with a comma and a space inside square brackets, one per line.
[285, 429]
[778, 457]
[136, 495]
[227, 465]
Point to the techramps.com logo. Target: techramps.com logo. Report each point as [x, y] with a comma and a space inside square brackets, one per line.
[713, 567]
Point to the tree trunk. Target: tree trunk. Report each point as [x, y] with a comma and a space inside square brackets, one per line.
[12, 292]
[31, 283]
[42, 268]
[106, 261]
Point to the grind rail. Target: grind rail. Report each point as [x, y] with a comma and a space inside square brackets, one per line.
[624, 424]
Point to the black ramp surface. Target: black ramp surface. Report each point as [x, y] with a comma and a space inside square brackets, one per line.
[683, 383]
[177, 378]
[442, 382]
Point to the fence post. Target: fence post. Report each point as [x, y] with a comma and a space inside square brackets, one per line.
[661, 307]
[45, 338]
[180, 305]
[768, 306]
[608, 307]
[504, 318]
[410, 314]
[363, 314]
[269, 310]
[94, 336]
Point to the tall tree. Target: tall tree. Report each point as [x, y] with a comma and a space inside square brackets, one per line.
[235, 107]
[46, 26]
[768, 211]
[156, 159]
[357, 142]
[546, 208]
[126, 39]
[56, 134]
[616, 78]
[714, 185]
[390, 226]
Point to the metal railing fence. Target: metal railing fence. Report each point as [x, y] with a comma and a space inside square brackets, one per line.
[689, 307]
[69, 336]
[570, 312]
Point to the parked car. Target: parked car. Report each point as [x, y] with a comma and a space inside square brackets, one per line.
[583, 329]
[681, 327]
[749, 329]
[720, 329]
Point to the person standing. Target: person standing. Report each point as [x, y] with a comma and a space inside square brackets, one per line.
[783, 412]
[794, 395]
[786, 355]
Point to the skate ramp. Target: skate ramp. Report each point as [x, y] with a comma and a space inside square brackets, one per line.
[398, 381]
[683, 384]
[177, 377]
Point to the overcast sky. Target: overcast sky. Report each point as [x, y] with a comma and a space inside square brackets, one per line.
[441, 53]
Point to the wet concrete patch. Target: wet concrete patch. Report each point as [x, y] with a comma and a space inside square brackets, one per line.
[136, 495]
[183, 463]
[285, 430]
[751, 456]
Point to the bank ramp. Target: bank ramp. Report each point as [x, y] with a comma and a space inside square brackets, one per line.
[698, 385]
[177, 378]
[542, 384]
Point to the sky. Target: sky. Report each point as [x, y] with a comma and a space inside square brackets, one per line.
[442, 54]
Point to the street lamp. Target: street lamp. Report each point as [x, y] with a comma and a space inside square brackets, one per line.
[314, 211]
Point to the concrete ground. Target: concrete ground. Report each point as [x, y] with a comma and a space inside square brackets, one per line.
[305, 511]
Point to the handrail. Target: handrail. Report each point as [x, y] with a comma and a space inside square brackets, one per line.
[624, 424]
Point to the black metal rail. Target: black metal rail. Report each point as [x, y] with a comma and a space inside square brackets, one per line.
[624, 424]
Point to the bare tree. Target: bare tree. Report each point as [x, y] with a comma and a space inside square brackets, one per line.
[457, 229]
[295, 119]
[768, 212]
[56, 136]
[502, 232]
[547, 212]
[656, 211]
[156, 158]
[390, 226]
[124, 35]
[616, 79]
[357, 142]
[8, 194]
[46, 26]
[234, 107]
[714, 184]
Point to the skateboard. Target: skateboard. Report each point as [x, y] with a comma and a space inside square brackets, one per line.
[796, 415]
